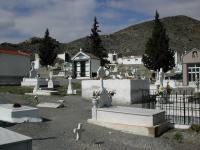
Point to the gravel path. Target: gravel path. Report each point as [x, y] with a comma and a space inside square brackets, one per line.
[56, 133]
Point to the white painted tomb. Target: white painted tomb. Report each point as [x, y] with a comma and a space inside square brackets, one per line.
[38, 91]
[10, 140]
[127, 91]
[128, 119]
[18, 114]
[138, 121]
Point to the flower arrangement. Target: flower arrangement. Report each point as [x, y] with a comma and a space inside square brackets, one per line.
[164, 90]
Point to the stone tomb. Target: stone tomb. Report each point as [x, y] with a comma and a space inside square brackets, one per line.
[10, 140]
[128, 119]
[127, 91]
[132, 120]
[18, 115]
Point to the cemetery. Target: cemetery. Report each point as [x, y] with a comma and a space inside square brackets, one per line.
[55, 96]
[114, 99]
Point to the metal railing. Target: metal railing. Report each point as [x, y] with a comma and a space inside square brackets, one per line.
[180, 107]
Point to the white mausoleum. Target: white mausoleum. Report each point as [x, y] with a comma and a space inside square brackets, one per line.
[14, 66]
[85, 65]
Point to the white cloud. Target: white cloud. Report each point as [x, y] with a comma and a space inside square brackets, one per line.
[165, 7]
[66, 19]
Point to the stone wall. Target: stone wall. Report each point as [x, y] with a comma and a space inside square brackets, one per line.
[127, 91]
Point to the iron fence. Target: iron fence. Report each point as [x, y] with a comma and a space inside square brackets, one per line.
[181, 107]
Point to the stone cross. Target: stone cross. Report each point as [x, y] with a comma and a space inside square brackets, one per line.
[37, 86]
[161, 76]
[101, 74]
[69, 89]
[78, 131]
[50, 82]
[32, 72]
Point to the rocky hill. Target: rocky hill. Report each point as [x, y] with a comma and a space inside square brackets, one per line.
[183, 31]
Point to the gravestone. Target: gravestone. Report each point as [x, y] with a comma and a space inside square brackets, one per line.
[32, 72]
[161, 76]
[50, 82]
[78, 131]
[37, 85]
[103, 98]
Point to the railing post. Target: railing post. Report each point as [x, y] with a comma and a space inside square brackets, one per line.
[184, 106]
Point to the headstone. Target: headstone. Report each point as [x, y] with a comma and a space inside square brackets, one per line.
[37, 86]
[78, 131]
[104, 99]
[32, 72]
[161, 76]
[50, 82]
[69, 90]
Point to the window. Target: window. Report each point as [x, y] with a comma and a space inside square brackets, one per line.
[194, 54]
[193, 72]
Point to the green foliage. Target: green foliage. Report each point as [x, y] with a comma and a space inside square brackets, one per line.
[178, 136]
[157, 53]
[47, 51]
[15, 89]
[95, 43]
[195, 127]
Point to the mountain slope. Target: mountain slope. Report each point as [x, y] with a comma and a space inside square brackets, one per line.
[183, 31]
[184, 34]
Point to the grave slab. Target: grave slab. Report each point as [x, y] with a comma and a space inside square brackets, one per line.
[18, 115]
[128, 119]
[42, 92]
[14, 141]
[50, 105]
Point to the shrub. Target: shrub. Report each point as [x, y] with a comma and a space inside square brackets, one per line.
[195, 127]
[178, 136]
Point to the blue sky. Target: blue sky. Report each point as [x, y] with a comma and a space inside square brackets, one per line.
[68, 20]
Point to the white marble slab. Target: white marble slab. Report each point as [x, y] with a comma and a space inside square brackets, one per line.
[50, 105]
[19, 115]
[129, 115]
[10, 140]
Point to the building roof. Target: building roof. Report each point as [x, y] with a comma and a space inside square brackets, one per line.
[14, 52]
[89, 55]
[193, 49]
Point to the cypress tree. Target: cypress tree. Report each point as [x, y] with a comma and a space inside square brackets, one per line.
[96, 46]
[47, 50]
[157, 52]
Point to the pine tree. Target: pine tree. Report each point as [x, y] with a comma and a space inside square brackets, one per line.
[47, 50]
[157, 52]
[96, 46]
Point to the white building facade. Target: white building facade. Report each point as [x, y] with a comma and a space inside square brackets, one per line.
[85, 65]
[133, 60]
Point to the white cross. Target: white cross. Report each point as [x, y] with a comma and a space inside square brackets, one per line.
[78, 131]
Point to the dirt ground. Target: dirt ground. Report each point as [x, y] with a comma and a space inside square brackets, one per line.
[56, 132]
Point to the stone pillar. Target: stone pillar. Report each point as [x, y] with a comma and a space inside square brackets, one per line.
[69, 90]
